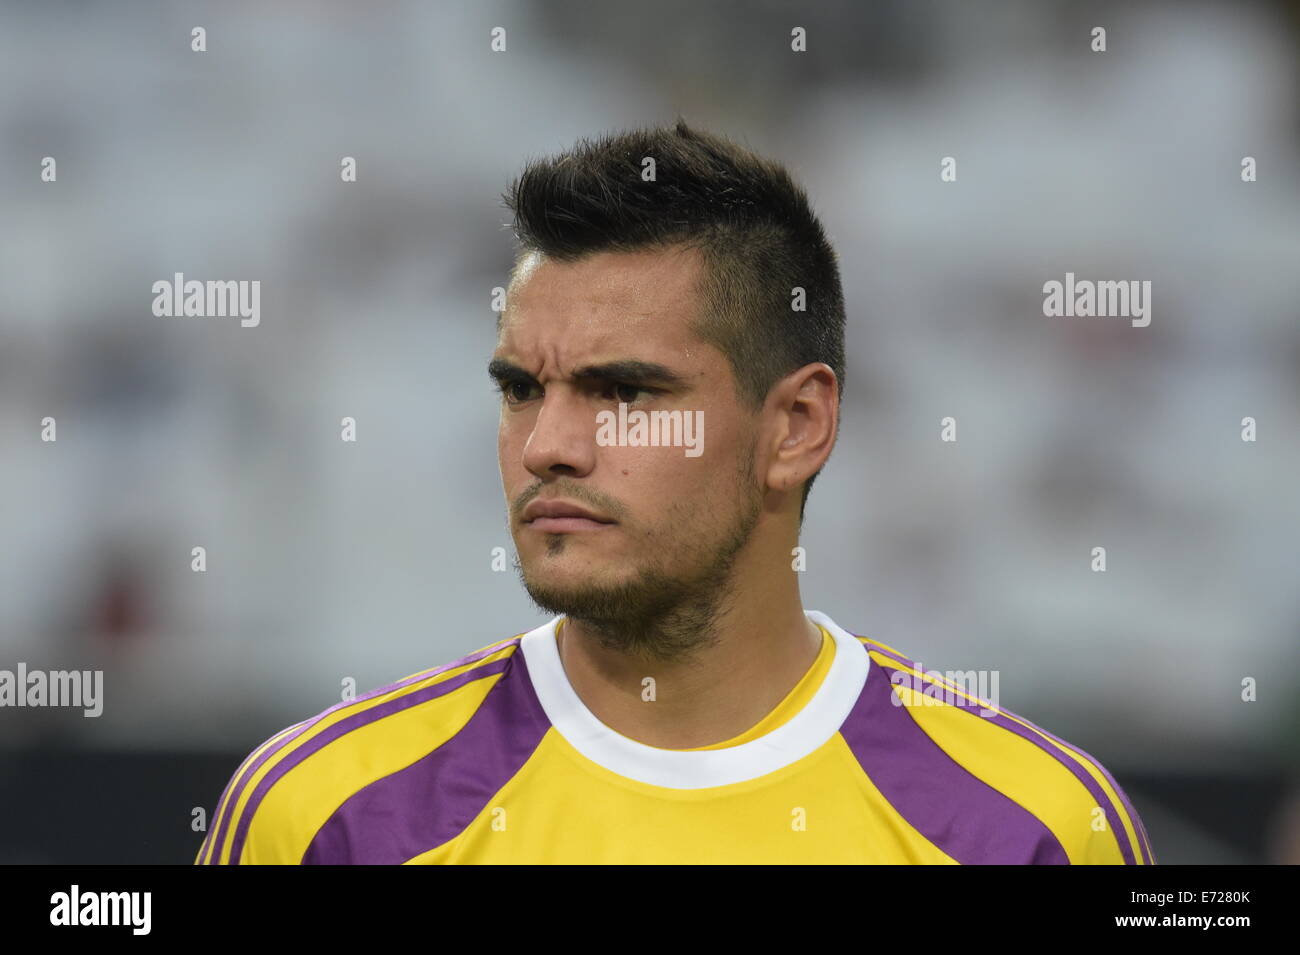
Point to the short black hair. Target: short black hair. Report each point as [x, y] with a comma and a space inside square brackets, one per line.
[754, 226]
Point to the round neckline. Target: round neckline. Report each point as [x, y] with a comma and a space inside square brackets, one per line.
[819, 720]
[798, 697]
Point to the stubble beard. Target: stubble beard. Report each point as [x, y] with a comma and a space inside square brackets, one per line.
[662, 613]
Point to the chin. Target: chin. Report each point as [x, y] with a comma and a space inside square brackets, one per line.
[581, 580]
[570, 585]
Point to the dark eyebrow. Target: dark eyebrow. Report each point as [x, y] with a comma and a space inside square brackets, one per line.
[630, 370]
[507, 372]
[626, 370]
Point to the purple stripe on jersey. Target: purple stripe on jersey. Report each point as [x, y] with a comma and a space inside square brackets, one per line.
[1098, 793]
[1146, 841]
[307, 724]
[889, 653]
[1094, 788]
[224, 807]
[342, 728]
[958, 812]
[436, 798]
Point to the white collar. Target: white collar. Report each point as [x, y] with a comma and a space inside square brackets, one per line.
[808, 729]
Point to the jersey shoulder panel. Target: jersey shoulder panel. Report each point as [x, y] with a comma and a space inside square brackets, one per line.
[300, 783]
[961, 764]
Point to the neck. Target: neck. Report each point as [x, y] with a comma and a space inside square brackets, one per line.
[755, 653]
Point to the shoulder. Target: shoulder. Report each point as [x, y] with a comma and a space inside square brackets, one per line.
[290, 784]
[951, 755]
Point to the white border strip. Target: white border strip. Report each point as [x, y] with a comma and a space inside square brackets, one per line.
[808, 729]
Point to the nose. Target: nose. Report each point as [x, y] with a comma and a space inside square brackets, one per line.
[563, 439]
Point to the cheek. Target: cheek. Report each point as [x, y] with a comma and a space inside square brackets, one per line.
[510, 452]
[503, 448]
[512, 439]
[662, 475]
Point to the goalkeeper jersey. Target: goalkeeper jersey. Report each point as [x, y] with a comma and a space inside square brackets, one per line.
[494, 758]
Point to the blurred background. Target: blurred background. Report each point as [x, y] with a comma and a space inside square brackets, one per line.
[330, 560]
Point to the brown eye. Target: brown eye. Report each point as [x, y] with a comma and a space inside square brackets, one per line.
[628, 393]
[512, 391]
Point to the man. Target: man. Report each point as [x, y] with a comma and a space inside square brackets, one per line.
[670, 360]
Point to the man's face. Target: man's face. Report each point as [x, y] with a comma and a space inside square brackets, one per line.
[673, 522]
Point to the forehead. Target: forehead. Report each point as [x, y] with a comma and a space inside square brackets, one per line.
[607, 301]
